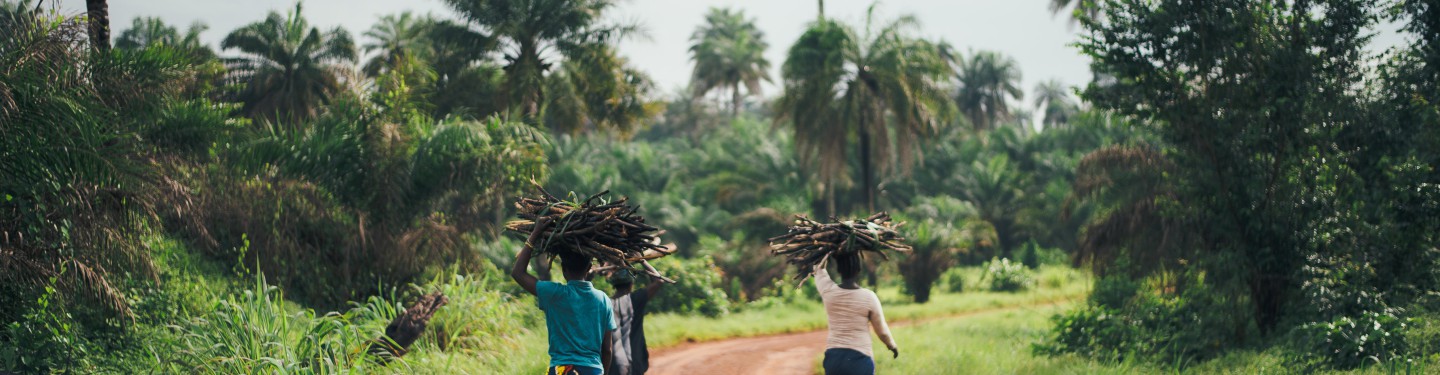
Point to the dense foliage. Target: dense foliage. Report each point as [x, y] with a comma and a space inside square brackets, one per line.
[1242, 174]
[1294, 180]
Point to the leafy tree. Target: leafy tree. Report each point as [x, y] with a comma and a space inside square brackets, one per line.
[1052, 98]
[290, 68]
[396, 38]
[885, 91]
[1085, 8]
[536, 34]
[988, 82]
[728, 51]
[1270, 182]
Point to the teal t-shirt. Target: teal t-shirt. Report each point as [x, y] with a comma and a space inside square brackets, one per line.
[578, 318]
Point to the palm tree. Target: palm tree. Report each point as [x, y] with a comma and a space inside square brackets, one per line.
[396, 38]
[597, 89]
[533, 32]
[728, 51]
[993, 187]
[988, 82]
[884, 89]
[98, 12]
[146, 32]
[1052, 98]
[290, 68]
[944, 229]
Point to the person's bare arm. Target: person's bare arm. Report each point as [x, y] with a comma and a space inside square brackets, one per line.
[882, 329]
[607, 353]
[823, 283]
[519, 270]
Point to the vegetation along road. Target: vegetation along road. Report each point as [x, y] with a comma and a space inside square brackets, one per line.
[784, 354]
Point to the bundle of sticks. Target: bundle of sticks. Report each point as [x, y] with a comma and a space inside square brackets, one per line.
[809, 242]
[609, 231]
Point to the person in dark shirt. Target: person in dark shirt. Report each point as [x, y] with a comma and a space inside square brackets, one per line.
[631, 357]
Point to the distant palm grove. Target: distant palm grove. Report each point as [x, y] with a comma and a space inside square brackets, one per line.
[1243, 180]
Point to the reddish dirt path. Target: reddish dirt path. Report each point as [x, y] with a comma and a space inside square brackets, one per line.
[784, 354]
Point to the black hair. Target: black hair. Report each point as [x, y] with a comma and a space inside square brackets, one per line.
[848, 265]
[573, 263]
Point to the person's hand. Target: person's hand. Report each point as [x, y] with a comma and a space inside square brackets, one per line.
[895, 351]
[540, 225]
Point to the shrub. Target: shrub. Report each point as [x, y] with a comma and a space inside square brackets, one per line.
[1007, 276]
[699, 288]
[1123, 324]
[953, 280]
[1372, 337]
[1114, 291]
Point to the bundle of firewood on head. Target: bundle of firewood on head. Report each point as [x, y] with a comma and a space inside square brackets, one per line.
[809, 243]
[611, 232]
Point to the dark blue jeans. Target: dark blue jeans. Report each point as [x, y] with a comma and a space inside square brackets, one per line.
[847, 362]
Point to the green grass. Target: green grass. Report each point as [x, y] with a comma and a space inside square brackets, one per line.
[669, 329]
[1000, 343]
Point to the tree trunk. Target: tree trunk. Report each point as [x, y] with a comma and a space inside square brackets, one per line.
[407, 327]
[735, 101]
[867, 173]
[98, 11]
[830, 198]
[529, 61]
[822, 10]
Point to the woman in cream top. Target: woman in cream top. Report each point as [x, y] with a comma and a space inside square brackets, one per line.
[852, 312]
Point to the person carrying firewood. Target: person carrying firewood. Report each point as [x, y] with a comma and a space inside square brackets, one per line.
[632, 357]
[852, 311]
[578, 316]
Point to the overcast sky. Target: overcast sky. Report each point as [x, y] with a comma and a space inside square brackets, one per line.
[1023, 29]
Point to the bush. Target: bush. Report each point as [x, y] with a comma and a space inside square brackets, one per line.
[1007, 276]
[1114, 291]
[953, 280]
[1122, 324]
[1373, 337]
[699, 288]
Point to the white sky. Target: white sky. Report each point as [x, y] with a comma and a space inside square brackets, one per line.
[1023, 29]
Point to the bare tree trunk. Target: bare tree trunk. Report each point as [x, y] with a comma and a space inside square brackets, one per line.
[830, 197]
[735, 101]
[822, 9]
[98, 11]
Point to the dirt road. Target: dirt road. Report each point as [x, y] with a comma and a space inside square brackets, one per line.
[786, 354]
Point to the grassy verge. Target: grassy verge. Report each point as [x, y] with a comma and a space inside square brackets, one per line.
[1000, 342]
[1057, 284]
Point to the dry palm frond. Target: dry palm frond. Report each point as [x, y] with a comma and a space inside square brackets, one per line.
[810, 243]
[609, 231]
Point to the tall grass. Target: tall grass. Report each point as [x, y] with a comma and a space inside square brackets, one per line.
[257, 332]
